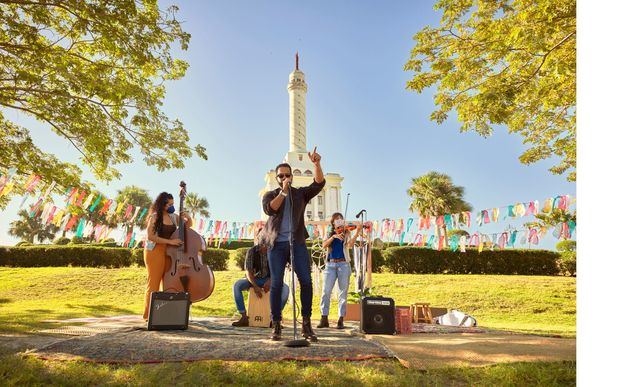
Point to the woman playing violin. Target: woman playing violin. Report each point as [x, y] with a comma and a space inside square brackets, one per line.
[161, 224]
[337, 267]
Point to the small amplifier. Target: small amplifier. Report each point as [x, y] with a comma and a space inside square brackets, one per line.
[168, 311]
[377, 316]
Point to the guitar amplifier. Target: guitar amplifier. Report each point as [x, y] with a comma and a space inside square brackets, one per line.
[377, 316]
[168, 311]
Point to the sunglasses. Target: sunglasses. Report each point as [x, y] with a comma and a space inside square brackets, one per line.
[282, 176]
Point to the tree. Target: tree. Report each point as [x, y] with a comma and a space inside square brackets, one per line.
[195, 205]
[94, 73]
[552, 219]
[457, 232]
[434, 194]
[566, 245]
[505, 62]
[137, 197]
[28, 228]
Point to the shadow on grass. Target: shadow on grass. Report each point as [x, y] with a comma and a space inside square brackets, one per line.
[5, 300]
[101, 310]
[26, 370]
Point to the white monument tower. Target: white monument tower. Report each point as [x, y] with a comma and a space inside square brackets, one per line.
[328, 201]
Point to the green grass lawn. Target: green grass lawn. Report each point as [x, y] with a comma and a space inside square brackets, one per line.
[522, 303]
[29, 296]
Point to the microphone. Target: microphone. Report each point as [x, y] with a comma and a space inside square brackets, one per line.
[360, 213]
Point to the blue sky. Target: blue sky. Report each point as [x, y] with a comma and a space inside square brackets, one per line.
[367, 127]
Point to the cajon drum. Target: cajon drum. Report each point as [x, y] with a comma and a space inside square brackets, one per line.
[259, 311]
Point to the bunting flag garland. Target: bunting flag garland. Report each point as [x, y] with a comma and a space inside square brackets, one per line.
[135, 214]
[144, 210]
[404, 231]
[78, 201]
[89, 198]
[128, 212]
[95, 204]
[106, 206]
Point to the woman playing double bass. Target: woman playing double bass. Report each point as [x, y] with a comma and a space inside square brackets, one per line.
[162, 222]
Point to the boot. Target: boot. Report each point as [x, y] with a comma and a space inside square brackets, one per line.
[306, 330]
[244, 321]
[276, 334]
[324, 322]
[271, 325]
[340, 323]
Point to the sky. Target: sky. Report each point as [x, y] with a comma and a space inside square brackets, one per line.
[365, 124]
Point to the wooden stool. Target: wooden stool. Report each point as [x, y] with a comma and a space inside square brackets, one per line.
[427, 315]
[259, 310]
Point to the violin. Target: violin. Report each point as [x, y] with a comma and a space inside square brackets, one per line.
[351, 226]
[184, 271]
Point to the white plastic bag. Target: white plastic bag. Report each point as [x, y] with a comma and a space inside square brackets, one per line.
[456, 318]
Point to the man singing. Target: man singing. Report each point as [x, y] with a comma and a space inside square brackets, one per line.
[278, 228]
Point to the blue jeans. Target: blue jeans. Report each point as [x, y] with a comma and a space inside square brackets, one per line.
[340, 271]
[244, 284]
[278, 256]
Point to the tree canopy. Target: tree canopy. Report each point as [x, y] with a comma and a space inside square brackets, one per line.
[94, 72]
[28, 228]
[510, 62]
[435, 194]
[196, 205]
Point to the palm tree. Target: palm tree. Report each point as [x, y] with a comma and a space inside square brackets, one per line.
[552, 219]
[434, 194]
[195, 205]
[28, 228]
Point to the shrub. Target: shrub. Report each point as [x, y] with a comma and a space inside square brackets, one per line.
[234, 245]
[378, 262]
[90, 256]
[76, 240]
[567, 245]
[59, 255]
[238, 257]
[217, 259]
[62, 241]
[407, 259]
[567, 263]
[23, 243]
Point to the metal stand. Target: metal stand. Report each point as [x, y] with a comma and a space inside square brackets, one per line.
[296, 342]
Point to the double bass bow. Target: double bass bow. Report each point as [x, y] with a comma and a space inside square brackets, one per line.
[185, 271]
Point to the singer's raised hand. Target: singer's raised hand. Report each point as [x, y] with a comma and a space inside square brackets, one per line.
[314, 157]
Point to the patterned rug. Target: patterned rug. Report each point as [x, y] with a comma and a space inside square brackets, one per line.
[124, 339]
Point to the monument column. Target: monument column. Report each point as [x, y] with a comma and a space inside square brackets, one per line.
[297, 90]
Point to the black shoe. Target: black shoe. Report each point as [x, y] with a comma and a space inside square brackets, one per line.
[276, 335]
[306, 330]
[244, 321]
[324, 322]
[340, 323]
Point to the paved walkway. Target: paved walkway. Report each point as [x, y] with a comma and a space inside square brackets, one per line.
[427, 350]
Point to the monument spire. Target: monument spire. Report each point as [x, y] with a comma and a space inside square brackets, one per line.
[297, 89]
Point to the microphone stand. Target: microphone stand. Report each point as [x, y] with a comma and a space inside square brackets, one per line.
[296, 342]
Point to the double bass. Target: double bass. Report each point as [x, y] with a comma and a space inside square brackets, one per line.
[185, 271]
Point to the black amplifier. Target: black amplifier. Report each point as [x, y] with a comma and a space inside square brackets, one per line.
[168, 311]
[377, 316]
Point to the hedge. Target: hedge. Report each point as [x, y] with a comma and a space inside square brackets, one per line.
[568, 263]
[89, 256]
[238, 257]
[407, 259]
[65, 255]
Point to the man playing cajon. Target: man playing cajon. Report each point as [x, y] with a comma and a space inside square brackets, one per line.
[257, 277]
